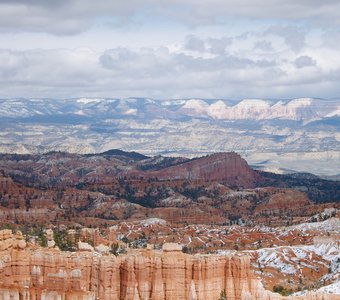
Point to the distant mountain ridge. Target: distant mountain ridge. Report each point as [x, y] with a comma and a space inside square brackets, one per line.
[117, 152]
[298, 135]
[301, 109]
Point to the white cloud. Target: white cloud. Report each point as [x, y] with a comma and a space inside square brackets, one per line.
[177, 48]
[162, 73]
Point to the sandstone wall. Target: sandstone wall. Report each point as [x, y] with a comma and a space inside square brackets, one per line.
[40, 273]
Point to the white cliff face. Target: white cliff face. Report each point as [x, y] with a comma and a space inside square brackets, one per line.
[256, 109]
[250, 109]
[196, 106]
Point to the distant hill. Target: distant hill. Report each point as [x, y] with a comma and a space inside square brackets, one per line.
[318, 190]
[298, 134]
[116, 152]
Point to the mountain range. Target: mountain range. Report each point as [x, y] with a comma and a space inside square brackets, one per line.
[277, 135]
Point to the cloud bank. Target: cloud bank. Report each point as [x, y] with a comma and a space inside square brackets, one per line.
[202, 71]
[216, 49]
[73, 16]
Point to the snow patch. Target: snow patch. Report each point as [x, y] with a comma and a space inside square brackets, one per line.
[88, 100]
[153, 221]
[333, 288]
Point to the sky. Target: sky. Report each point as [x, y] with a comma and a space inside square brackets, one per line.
[229, 49]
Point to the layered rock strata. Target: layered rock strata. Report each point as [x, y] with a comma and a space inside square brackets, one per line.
[226, 166]
[28, 272]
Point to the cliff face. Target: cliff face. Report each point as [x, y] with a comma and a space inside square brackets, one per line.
[220, 166]
[36, 273]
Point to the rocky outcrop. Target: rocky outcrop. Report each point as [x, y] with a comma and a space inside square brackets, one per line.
[37, 273]
[283, 201]
[226, 166]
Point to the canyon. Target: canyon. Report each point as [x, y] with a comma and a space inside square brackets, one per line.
[122, 225]
[170, 150]
[102, 188]
[35, 273]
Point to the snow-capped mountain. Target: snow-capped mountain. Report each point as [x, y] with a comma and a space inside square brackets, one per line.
[300, 134]
[303, 109]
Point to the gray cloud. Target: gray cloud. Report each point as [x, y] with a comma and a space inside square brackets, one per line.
[194, 43]
[263, 45]
[63, 17]
[73, 16]
[122, 72]
[304, 61]
[294, 37]
[251, 63]
[154, 63]
[218, 46]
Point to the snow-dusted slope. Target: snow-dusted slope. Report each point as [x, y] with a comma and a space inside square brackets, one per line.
[303, 109]
[300, 134]
[319, 260]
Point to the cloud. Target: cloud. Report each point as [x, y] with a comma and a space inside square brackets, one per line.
[304, 61]
[263, 45]
[194, 43]
[154, 63]
[160, 73]
[177, 48]
[293, 36]
[63, 17]
[74, 16]
[331, 38]
[219, 45]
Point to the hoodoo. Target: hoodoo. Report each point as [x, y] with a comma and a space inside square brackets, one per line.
[38, 273]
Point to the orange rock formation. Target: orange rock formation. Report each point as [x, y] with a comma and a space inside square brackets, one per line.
[40, 273]
[227, 166]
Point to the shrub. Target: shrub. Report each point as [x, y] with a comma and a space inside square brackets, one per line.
[282, 290]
